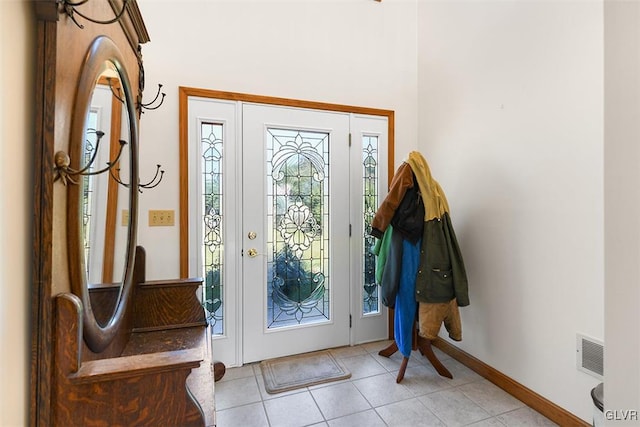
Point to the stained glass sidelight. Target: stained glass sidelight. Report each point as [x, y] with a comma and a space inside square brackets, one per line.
[298, 227]
[211, 180]
[370, 291]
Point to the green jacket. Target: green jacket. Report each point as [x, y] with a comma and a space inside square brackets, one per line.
[441, 275]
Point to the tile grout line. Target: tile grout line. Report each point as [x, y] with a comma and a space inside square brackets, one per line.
[315, 402]
[264, 407]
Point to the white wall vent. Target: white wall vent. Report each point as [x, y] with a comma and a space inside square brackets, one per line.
[590, 356]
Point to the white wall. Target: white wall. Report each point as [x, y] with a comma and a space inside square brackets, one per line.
[16, 140]
[622, 208]
[510, 119]
[510, 99]
[355, 52]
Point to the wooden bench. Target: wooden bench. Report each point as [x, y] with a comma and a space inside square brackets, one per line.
[141, 378]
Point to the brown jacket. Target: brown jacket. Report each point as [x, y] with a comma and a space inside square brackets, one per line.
[402, 180]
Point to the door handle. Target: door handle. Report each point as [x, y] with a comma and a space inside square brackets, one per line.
[253, 252]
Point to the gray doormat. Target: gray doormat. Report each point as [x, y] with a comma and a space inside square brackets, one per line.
[303, 370]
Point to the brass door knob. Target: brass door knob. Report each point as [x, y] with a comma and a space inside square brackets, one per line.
[252, 252]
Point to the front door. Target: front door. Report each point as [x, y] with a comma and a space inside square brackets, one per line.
[279, 203]
[295, 221]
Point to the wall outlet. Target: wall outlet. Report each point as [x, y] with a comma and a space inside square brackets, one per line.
[161, 218]
[125, 217]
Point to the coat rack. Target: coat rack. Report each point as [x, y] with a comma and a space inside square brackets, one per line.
[66, 174]
[425, 348]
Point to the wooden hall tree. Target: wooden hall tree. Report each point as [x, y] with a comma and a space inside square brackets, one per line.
[103, 353]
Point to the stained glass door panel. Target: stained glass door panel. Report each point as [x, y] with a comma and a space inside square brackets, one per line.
[296, 231]
[298, 276]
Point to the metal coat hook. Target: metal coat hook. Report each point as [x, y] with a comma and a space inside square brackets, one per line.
[117, 96]
[66, 174]
[148, 105]
[151, 184]
[69, 7]
[155, 180]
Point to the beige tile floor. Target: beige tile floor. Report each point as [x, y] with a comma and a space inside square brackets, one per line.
[372, 398]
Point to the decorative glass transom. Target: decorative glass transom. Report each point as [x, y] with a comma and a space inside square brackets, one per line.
[370, 290]
[212, 143]
[297, 227]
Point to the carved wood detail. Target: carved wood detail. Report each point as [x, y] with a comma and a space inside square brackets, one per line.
[144, 389]
[141, 378]
[165, 304]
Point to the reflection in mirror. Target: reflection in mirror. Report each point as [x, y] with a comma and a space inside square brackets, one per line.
[102, 199]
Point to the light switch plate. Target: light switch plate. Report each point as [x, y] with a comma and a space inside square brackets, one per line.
[159, 218]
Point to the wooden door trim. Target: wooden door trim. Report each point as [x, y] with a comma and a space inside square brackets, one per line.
[186, 92]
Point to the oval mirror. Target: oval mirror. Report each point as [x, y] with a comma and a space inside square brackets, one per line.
[102, 215]
[103, 235]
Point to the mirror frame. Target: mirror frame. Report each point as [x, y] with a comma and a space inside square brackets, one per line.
[96, 336]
